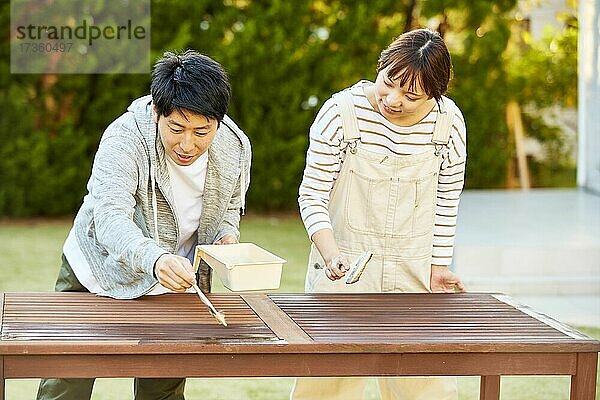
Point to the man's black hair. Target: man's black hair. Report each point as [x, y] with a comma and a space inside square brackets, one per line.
[190, 81]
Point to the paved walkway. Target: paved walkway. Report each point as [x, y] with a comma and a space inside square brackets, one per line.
[572, 310]
[540, 246]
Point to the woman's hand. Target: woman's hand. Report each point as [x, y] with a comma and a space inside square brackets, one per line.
[337, 267]
[336, 264]
[445, 281]
[174, 272]
[227, 239]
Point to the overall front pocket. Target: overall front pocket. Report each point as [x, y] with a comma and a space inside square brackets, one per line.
[372, 205]
[391, 207]
[424, 210]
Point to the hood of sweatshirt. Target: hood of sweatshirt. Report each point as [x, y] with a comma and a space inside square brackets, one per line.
[142, 112]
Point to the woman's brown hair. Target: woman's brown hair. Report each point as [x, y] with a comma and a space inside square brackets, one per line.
[418, 56]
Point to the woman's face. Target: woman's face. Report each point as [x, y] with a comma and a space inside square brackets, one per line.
[396, 102]
[185, 137]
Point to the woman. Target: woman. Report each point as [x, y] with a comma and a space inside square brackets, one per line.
[384, 171]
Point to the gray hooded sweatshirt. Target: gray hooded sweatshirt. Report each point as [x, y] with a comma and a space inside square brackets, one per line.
[127, 219]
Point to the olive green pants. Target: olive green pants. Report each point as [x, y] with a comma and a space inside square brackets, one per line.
[81, 388]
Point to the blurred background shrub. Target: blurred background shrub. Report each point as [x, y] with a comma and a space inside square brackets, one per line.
[285, 58]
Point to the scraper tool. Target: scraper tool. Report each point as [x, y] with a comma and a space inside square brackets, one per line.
[358, 267]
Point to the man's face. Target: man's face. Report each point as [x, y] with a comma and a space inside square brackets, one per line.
[185, 136]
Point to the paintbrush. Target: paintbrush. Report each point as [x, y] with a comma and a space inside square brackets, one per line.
[219, 315]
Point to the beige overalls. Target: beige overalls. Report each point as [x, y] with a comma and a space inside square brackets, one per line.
[384, 204]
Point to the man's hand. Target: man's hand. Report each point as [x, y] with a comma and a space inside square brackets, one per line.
[337, 267]
[445, 281]
[174, 272]
[227, 239]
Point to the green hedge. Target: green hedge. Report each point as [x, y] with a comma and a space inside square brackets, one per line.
[284, 58]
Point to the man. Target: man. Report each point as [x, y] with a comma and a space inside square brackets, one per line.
[170, 173]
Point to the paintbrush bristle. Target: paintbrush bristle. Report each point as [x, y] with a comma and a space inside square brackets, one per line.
[220, 316]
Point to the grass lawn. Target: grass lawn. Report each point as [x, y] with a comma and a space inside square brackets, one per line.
[29, 260]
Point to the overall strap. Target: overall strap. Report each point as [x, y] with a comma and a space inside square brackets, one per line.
[443, 127]
[349, 122]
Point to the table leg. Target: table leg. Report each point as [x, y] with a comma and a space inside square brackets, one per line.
[489, 389]
[583, 383]
[1, 378]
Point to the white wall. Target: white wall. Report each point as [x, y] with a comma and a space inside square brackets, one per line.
[588, 158]
[541, 14]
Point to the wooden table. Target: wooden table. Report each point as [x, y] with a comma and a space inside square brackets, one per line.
[280, 335]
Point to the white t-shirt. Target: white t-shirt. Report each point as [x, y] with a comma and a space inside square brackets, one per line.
[187, 184]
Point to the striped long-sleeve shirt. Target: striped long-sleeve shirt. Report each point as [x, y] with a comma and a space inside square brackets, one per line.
[326, 154]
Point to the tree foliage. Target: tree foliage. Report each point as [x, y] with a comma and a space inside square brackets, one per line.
[543, 77]
[285, 59]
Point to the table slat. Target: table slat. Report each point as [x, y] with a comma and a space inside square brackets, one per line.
[283, 326]
[419, 318]
[82, 316]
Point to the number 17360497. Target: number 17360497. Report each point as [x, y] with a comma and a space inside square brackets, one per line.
[45, 47]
